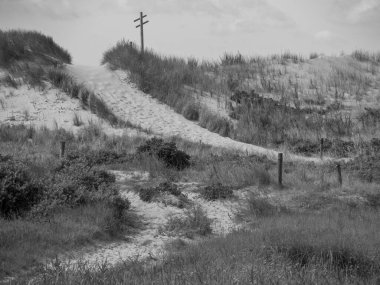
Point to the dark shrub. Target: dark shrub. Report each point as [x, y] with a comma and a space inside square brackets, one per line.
[216, 191]
[18, 191]
[167, 152]
[191, 112]
[147, 194]
[374, 200]
[169, 187]
[73, 185]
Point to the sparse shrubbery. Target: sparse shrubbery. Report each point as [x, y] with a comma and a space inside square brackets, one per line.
[148, 194]
[167, 152]
[69, 185]
[194, 223]
[216, 191]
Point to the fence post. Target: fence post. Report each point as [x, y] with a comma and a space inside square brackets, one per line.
[63, 146]
[339, 173]
[280, 159]
[321, 148]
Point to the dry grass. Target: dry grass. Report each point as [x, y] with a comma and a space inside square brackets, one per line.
[264, 255]
[328, 248]
[311, 94]
[25, 244]
[194, 223]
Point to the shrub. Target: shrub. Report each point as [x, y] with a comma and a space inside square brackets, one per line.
[71, 185]
[167, 152]
[216, 191]
[147, 194]
[374, 200]
[195, 222]
[119, 207]
[191, 112]
[18, 190]
[169, 187]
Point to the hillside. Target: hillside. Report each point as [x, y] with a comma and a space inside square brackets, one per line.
[279, 101]
[36, 91]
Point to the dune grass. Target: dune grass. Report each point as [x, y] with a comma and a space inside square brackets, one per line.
[340, 247]
[26, 244]
[30, 46]
[69, 228]
[308, 103]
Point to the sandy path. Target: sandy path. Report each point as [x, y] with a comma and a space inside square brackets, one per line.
[131, 104]
[149, 243]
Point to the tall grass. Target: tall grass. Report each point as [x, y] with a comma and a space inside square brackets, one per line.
[328, 248]
[164, 78]
[300, 114]
[19, 45]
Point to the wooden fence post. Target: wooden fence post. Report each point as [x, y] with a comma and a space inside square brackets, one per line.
[339, 173]
[280, 159]
[321, 148]
[63, 147]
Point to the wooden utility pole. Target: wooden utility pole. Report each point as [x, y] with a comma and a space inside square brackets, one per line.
[141, 26]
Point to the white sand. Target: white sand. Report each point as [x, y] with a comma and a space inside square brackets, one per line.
[149, 243]
[49, 108]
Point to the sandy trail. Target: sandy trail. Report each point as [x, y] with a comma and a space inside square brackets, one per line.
[150, 242]
[131, 104]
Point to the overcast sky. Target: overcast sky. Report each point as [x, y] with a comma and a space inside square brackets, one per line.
[201, 28]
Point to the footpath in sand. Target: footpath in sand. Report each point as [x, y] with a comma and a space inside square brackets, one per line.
[149, 242]
[130, 104]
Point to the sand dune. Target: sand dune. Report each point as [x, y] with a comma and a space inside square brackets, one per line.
[131, 104]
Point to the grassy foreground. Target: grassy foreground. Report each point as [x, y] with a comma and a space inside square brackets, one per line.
[313, 237]
[332, 247]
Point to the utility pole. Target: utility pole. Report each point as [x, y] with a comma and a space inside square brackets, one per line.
[141, 26]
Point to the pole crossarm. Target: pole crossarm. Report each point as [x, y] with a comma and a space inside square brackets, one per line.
[141, 26]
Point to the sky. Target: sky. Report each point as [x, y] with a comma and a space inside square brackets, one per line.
[204, 29]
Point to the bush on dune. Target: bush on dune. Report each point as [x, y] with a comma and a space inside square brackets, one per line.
[167, 152]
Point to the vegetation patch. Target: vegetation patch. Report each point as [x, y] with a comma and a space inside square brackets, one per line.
[157, 194]
[19, 45]
[216, 191]
[195, 222]
[167, 152]
[19, 190]
[335, 247]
